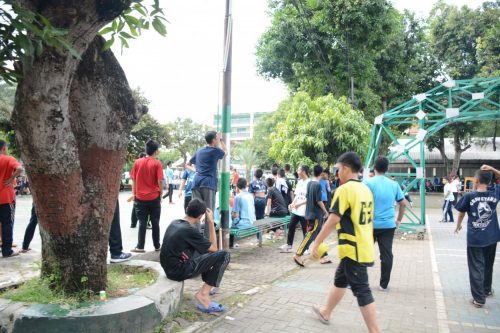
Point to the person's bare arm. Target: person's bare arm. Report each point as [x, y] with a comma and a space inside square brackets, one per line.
[11, 179]
[327, 228]
[181, 188]
[268, 207]
[485, 167]
[401, 211]
[190, 166]
[323, 208]
[160, 184]
[459, 222]
[210, 223]
[222, 144]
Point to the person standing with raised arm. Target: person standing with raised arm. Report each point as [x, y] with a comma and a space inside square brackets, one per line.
[483, 232]
[205, 160]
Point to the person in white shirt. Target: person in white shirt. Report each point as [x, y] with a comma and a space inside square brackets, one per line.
[448, 201]
[298, 207]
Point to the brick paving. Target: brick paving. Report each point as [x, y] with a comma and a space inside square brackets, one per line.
[420, 299]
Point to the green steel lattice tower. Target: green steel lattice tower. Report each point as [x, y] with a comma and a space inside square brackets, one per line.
[451, 102]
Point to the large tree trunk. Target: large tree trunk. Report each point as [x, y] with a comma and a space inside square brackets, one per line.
[458, 151]
[442, 151]
[72, 122]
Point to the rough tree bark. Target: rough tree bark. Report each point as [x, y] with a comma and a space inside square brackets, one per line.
[458, 151]
[72, 121]
[441, 148]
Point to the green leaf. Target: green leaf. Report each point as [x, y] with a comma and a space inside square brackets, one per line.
[131, 20]
[126, 35]
[159, 27]
[114, 25]
[141, 9]
[108, 43]
[106, 30]
[121, 25]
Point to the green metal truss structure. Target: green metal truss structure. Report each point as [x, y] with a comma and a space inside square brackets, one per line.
[451, 102]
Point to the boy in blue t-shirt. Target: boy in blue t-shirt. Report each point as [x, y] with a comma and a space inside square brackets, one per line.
[243, 212]
[385, 192]
[483, 233]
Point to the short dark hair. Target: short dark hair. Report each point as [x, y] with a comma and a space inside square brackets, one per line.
[305, 168]
[210, 136]
[169, 163]
[326, 171]
[287, 167]
[141, 155]
[274, 171]
[484, 177]
[241, 183]
[317, 170]
[350, 159]
[258, 173]
[381, 164]
[269, 182]
[2, 144]
[281, 173]
[196, 208]
[151, 147]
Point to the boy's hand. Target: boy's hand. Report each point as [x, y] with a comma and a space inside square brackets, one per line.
[486, 167]
[210, 215]
[458, 228]
[314, 250]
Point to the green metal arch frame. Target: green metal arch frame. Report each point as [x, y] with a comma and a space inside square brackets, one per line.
[450, 102]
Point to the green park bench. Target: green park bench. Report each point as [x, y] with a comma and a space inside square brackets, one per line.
[261, 226]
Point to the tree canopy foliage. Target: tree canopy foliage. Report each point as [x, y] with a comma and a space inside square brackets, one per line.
[186, 136]
[376, 56]
[317, 130]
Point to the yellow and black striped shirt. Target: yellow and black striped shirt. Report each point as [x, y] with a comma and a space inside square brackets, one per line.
[353, 203]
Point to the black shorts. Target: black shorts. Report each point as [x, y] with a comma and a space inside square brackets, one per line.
[350, 272]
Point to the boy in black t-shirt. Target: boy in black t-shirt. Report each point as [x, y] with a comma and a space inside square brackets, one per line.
[185, 254]
[483, 233]
[316, 212]
[276, 205]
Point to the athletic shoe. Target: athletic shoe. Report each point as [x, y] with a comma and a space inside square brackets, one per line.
[382, 288]
[285, 248]
[120, 257]
[136, 250]
[490, 293]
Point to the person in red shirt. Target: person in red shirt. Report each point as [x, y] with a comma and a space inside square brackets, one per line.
[147, 187]
[10, 168]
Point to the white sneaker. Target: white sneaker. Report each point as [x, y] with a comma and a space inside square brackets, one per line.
[306, 252]
[382, 288]
[285, 248]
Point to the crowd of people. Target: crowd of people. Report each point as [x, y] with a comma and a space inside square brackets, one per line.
[361, 210]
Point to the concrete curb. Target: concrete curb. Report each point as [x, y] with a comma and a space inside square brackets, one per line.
[140, 312]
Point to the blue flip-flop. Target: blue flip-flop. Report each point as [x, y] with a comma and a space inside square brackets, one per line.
[212, 307]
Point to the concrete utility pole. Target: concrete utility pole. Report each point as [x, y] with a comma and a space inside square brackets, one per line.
[226, 124]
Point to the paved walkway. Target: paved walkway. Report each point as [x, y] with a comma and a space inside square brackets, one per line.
[429, 290]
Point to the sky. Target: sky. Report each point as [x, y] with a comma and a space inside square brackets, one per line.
[180, 73]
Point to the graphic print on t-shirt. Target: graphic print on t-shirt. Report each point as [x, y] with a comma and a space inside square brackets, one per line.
[484, 213]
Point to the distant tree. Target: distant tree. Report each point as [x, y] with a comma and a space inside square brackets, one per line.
[318, 130]
[248, 157]
[186, 136]
[465, 42]
[147, 128]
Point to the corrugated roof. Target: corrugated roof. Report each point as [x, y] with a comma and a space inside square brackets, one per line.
[481, 149]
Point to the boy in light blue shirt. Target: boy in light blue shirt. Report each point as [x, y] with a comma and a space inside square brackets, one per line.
[243, 212]
[385, 192]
